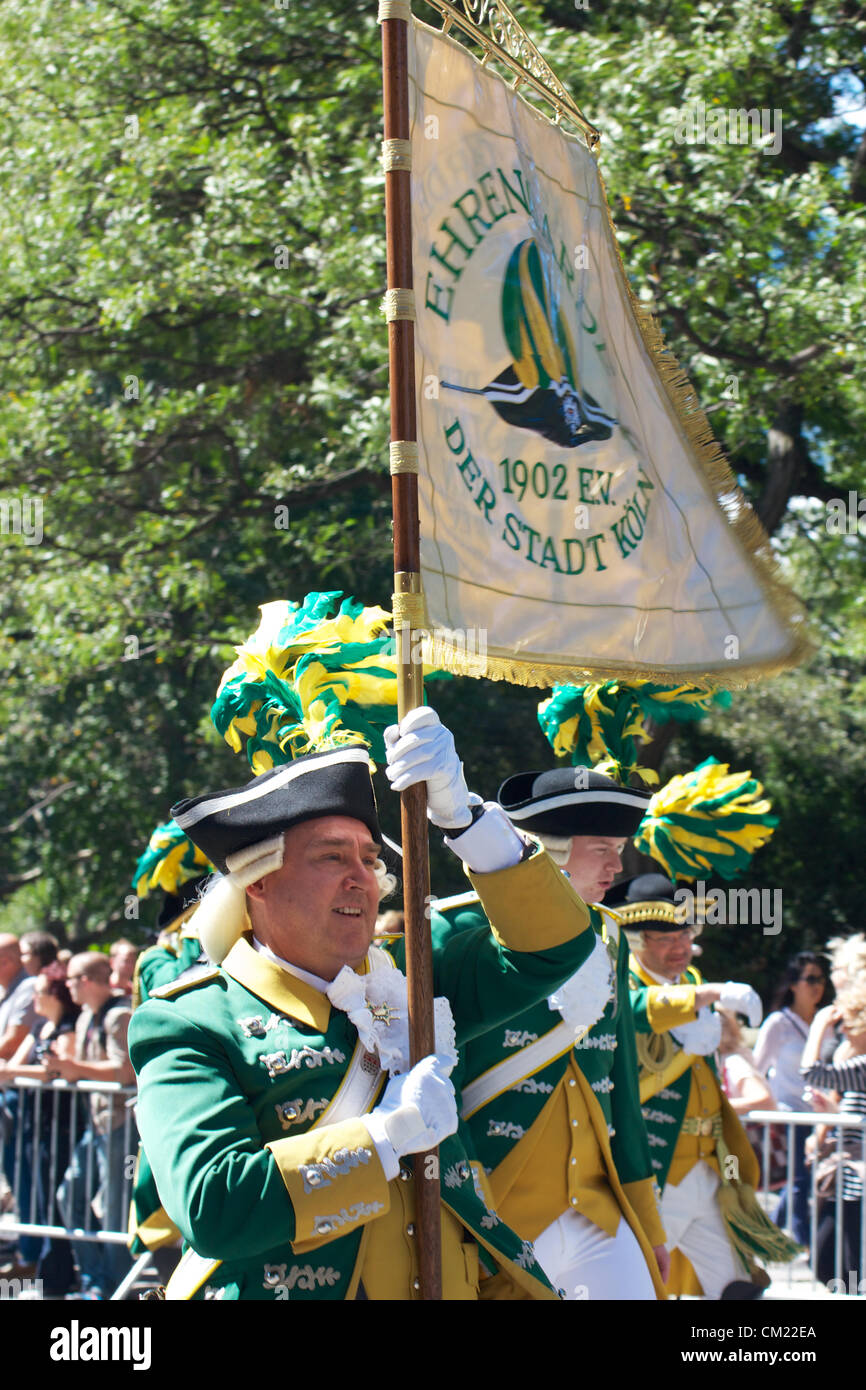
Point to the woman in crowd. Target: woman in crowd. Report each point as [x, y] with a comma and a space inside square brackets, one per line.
[847, 967]
[848, 1078]
[53, 1036]
[778, 1052]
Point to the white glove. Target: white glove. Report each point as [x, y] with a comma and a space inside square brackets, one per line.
[701, 1037]
[421, 749]
[742, 999]
[417, 1111]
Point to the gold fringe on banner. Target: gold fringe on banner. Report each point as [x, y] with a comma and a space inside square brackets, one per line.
[403, 456]
[544, 672]
[396, 154]
[399, 304]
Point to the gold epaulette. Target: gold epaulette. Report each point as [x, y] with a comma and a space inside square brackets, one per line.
[190, 979]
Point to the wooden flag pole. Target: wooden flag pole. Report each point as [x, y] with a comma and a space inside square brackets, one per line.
[395, 16]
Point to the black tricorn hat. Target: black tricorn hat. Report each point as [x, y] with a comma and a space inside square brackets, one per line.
[572, 801]
[332, 783]
[647, 900]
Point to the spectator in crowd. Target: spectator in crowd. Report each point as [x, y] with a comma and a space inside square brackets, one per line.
[743, 1084]
[122, 955]
[778, 1051]
[38, 949]
[16, 998]
[847, 967]
[100, 1055]
[848, 1078]
[17, 1017]
[55, 1028]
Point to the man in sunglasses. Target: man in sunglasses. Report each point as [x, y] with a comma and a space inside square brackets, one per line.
[700, 1153]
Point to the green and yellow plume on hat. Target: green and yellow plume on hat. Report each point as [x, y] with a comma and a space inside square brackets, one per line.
[706, 821]
[598, 726]
[170, 860]
[682, 703]
[314, 675]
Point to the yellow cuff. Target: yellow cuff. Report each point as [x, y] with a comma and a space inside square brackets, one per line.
[532, 906]
[669, 1005]
[334, 1179]
[641, 1196]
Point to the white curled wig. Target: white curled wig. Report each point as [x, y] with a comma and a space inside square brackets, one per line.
[557, 846]
[221, 915]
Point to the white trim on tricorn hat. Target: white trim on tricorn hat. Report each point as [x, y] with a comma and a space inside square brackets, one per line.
[332, 783]
[567, 801]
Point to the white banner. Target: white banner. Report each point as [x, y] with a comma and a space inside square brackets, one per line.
[575, 514]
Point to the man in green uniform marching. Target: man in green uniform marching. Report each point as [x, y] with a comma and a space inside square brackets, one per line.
[701, 1155]
[551, 1098]
[279, 1147]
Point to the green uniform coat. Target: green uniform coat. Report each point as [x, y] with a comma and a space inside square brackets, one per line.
[235, 1068]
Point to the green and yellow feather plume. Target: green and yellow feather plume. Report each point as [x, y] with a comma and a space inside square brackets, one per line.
[598, 726]
[314, 675]
[682, 703]
[709, 821]
[170, 860]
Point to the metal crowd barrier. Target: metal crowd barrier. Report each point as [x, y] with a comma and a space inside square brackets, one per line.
[47, 1125]
[849, 1132]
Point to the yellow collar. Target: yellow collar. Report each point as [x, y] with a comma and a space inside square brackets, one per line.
[277, 987]
[646, 978]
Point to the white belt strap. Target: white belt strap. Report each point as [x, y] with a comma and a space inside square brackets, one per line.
[522, 1064]
[354, 1097]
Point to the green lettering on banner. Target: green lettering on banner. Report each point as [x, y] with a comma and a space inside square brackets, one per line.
[569, 542]
[595, 486]
[583, 475]
[509, 535]
[595, 541]
[565, 264]
[470, 472]
[442, 256]
[629, 528]
[464, 469]
[522, 197]
[548, 556]
[490, 197]
[643, 481]
[624, 548]
[531, 532]
[475, 216]
[434, 303]
[482, 502]
[455, 448]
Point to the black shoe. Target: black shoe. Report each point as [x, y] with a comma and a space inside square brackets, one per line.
[740, 1290]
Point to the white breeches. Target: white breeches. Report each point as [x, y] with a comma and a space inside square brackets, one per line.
[583, 1261]
[694, 1225]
